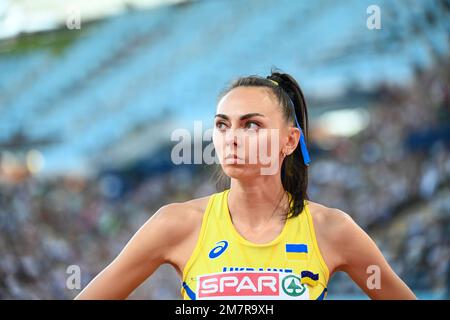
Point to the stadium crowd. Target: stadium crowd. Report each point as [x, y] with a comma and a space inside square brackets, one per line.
[393, 179]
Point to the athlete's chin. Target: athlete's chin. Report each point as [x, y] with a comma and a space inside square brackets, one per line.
[240, 171]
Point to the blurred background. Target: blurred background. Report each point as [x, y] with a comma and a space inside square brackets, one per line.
[90, 93]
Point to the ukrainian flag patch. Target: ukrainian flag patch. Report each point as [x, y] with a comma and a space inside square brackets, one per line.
[309, 278]
[296, 251]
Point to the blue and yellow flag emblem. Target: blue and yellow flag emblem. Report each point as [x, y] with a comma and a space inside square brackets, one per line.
[296, 251]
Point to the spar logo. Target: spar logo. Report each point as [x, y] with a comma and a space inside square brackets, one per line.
[251, 285]
[220, 247]
[239, 284]
[293, 286]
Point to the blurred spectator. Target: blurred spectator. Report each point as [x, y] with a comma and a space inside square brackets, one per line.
[396, 191]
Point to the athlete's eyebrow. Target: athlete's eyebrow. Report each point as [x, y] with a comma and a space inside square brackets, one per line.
[243, 117]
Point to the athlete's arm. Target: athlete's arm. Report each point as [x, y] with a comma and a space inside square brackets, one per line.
[363, 261]
[142, 255]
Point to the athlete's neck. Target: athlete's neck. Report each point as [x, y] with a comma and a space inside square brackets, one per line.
[255, 203]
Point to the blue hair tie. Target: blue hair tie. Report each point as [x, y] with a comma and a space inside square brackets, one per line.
[303, 147]
[305, 153]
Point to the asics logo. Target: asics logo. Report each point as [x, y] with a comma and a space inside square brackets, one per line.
[220, 247]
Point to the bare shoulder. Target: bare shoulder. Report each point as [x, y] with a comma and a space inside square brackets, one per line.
[347, 247]
[182, 217]
[328, 218]
[183, 222]
[333, 228]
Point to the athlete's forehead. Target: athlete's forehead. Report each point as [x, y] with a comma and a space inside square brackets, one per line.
[248, 100]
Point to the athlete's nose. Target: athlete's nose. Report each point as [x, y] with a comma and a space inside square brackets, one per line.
[231, 137]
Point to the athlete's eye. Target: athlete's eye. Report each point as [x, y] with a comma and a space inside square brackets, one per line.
[252, 125]
[221, 125]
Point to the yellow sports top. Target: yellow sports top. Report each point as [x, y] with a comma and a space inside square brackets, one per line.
[225, 265]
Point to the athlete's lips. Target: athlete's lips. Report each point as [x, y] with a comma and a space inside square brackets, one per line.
[232, 156]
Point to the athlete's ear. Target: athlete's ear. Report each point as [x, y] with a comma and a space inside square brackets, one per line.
[292, 140]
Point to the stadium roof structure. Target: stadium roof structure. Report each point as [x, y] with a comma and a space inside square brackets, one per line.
[79, 94]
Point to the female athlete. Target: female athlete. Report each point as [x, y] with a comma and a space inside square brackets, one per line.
[261, 238]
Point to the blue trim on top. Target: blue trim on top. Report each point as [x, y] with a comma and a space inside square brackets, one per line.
[190, 293]
[322, 295]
